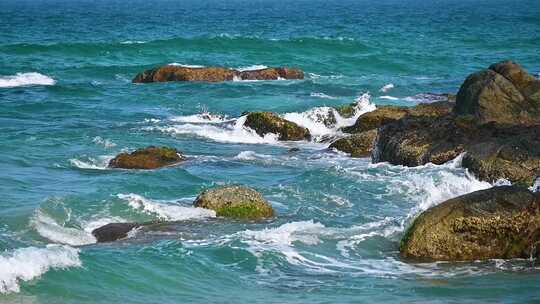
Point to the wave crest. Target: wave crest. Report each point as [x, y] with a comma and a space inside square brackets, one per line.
[25, 79]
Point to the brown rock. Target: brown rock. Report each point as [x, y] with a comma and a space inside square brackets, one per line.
[147, 158]
[266, 122]
[357, 145]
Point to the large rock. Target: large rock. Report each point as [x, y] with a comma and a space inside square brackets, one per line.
[113, 231]
[357, 145]
[386, 114]
[147, 158]
[214, 74]
[414, 141]
[498, 223]
[504, 93]
[266, 122]
[236, 202]
[512, 153]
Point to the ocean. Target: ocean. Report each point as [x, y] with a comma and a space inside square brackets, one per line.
[67, 106]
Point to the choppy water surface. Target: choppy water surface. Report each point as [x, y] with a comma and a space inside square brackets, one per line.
[67, 106]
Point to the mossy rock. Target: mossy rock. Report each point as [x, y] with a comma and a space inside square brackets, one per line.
[497, 223]
[357, 145]
[147, 158]
[237, 202]
[266, 122]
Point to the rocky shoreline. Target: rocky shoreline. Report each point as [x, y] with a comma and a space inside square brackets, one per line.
[493, 121]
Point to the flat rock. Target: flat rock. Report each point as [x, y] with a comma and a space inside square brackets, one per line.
[147, 158]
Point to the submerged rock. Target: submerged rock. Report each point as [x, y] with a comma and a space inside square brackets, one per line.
[214, 74]
[235, 202]
[498, 223]
[505, 93]
[113, 231]
[147, 158]
[266, 122]
[357, 145]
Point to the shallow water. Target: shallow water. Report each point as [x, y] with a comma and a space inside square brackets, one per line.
[67, 107]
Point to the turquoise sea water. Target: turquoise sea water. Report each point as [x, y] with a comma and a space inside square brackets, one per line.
[67, 106]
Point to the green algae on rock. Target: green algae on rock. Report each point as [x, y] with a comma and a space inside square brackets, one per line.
[357, 145]
[269, 123]
[147, 158]
[497, 223]
[235, 202]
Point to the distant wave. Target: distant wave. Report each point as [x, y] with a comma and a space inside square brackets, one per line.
[25, 79]
[418, 98]
[321, 95]
[25, 264]
[387, 87]
[186, 65]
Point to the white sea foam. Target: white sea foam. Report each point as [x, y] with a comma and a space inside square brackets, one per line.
[48, 228]
[186, 65]
[133, 42]
[387, 87]
[25, 79]
[25, 264]
[314, 119]
[99, 163]
[107, 143]
[165, 210]
[321, 95]
[231, 132]
[252, 68]
[536, 186]
[388, 97]
[204, 117]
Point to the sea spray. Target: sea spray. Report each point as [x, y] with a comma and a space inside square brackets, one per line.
[25, 264]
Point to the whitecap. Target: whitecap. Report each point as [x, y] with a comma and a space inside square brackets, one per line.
[387, 87]
[25, 79]
[165, 210]
[388, 97]
[317, 119]
[252, 68]
[107, 143]
[194, 66]
[536, 186]
[25, 264]
[133, 42]
[322, 95]
[204, 117]
[231, 133]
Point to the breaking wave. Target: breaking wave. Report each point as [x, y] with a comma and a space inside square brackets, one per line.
[25, 79]
[25, 264]
[166, 211]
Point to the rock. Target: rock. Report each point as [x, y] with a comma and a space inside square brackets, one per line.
[147, 158]
[386, 114]
[510, 153]
[214, 74]
[357, 145]
[374, 119]
[347, 110]
[505, 94]
[114, 231]
[415, 141]
[497, 223]
[271, 74]
[236, 202]
[266, 122]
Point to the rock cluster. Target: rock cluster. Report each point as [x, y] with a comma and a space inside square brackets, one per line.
[214, 74]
